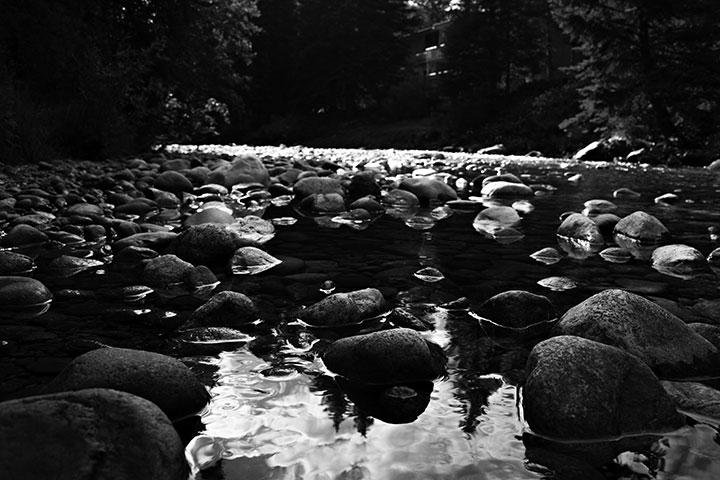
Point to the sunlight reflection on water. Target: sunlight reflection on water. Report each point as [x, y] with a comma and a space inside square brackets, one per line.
[291, 428]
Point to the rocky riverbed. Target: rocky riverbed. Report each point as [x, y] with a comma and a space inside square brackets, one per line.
[386, 283]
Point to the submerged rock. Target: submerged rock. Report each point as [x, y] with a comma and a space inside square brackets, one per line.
[340, 309]
[224, 309]
[386, 357]
[679, 261]
[642, 227]
[644, 329]
[93, 433]
[209, 244]
[517, 312]
[163, 380]
[579, 389]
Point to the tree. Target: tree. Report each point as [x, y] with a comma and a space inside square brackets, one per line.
[86, 78]
[350, 51]
[648, 68]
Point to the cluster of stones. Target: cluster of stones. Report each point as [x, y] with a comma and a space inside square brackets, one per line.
[110, 413]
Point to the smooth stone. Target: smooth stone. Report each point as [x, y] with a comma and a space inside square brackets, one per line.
[695, 398]
[132, 257]
[224, 309]
[428, 189]
[644, 329]
[308, 186]
[16, 291]
[157, 241]
[166, 272]
[606, 223]
[517, 312]
[708, 309]
[22, 235]
[85, 209]
[323, 203]
[625, 192]
[642, 227]
[209, 244]
[368, 203]
[165, 381]
[680, 261]
[138, 207]
[709, 332]
[12, 263]
[597, 206]
[501, 177]
[251, 261]
[492, 220]
[579, 389]
[363, 184]
[89, 434]
[582, 229]
[386, 357]
[209, 215]
[243, 169]
[506, 189]
[340, 309]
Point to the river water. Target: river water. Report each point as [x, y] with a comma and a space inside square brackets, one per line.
[277, 413]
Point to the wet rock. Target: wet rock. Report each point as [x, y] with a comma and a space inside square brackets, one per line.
[367, 203]
[517, 313]
[578, 389]
[363, 184]
[23, 297]
[209, 215]
[642, 227]
[23, 235]
[94, 433]
[251, 261]
[136, 208]
[709, 332]
[386, 357]
[84, 209]
[12, 263]
[401, 317]
[340, 309]
[132, 258]
[243, 169]
[163, 380]
[606, 223]
[308, 186]
[644, 329]
[492, 220]
[598, 206]
[209, 244]
[224, 309]
[157, 241]
[428, 189]
[713, 259]
[580, 228]
[679, 261]
[626, 193]
[506, 189]
[166, 272]
[501, 177]
[694, 398]
[323, 203]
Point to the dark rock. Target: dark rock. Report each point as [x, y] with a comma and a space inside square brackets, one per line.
[642, 227]
[578, 389]
[138, 207]
[517, 312]
[166, 272]
[394, 404]
[323, 203]
[163, 380]
[693, 397]
[12, 263]
[243, 169]
[341, 309]
[386, 357]
[318, 185]
[711, 333]
[606, 223]
[428, 189]
[23, 296]
[94, 433]
[23, 235]
[224, 309]
[209, 244]
[363, 184]
[644, 329]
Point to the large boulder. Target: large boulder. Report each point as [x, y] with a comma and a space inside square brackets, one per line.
[89, 434]
[578, 389]
[644, 329]
[341, 309]
[391, 356]
[243, 169]
[428, 189]
[165, 381]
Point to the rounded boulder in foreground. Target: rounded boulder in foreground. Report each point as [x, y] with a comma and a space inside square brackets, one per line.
[93, 433]
[385, 357]
[578, 389]
[163, 380]
[643, 328]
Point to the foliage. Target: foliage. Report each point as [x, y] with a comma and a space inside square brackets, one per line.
[102, 77]
[648, 67]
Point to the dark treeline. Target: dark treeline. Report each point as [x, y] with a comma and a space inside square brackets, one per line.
[83, 78]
